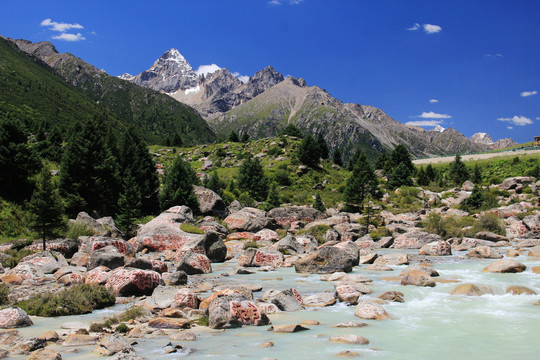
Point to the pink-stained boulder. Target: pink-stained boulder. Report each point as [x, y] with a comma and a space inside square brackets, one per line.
[347, 293]
[235, 310]
[241, 236]
[27, 271]
[14, 317]
[210, 202]
[46, 261]
[436, 248]
[248, 219]
[266, 235]
[98, 276]
[260, 257]
[72, 279]
[414, 240]
[186, 298]
[194, 263]
[128, 281]
[94, 243]
[285, 216]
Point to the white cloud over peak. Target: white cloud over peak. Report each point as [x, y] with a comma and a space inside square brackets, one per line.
[425, 123]
[517, 120]
[69, 37]
[529, 93]
[433, 101]
[207, 69]
[242, 78]
[432, 29]
[432, 115]
[60, 26]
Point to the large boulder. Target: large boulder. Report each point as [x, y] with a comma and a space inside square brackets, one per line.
[285, 300]
[235, 310]
[289, 245]
[436, 248]
[370, 311]
[285, 216]
[194, 263]
[249, 219]
[66, 247]
[112, 344]
[128, 281]
[14, 317]
[505, 266]
[471, 290]
[484, 252]
[94, 243]
[326, 260]
[103, 226]
[26, 271]
[515, 183]
[46, 261]
[210, 203]
[414, 240]
[260, 257]
[418, 278]
[107, 256]
[393, 259]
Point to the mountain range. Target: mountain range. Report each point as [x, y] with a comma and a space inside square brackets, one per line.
[172, 98]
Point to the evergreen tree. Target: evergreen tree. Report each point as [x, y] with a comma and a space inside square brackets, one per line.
[400, 155]
[46, 208]
[421, 177]
[336, 158]
[292, 130]
[476, 200]
[308, 152]
[215, 184]
[251, 179]
[382, 160]
[178, 184]
[233, 137]
[361, 183]
[353, 159]
[318, 204]
[477, 174]
[89, 177]
[458, 171]
[272, 200]
[135, 159]
[400, 176]
[245, 137]
[129, 205]
[430, 173]
[322, 147]
[18, 161]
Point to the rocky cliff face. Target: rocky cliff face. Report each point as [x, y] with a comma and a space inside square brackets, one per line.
[485, 139]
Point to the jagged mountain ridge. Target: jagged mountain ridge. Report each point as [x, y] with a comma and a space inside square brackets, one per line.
[268, 102]
[485, 139]
[156, 114]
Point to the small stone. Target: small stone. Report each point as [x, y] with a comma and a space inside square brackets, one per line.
[44, 354]
[519, 290]
[350, 324]
[184, 335]
[395, 296]
[347, 353]
[287, 328]
[267, 344]
[349, 339]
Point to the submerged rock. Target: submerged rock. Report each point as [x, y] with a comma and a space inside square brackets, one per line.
[505, 266]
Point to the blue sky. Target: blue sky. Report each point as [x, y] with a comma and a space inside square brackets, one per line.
[471, 65]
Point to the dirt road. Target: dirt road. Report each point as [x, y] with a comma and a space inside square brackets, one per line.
[447, 159]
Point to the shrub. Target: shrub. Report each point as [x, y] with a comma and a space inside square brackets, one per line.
[78, 299]
[4, 292]
[251, 244]
[192, 229]
[380, 233]
[490, 222]
[246, 200]
[203, 321]
[78, 228]
[13, 220]
[318, 232]
[122, 328]
[228, 196]
[14, 256]
[447, 226]
[274, 151]
[132, 313]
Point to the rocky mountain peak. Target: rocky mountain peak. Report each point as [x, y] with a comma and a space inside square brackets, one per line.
[220, 82]
[438, 128]
[482, 138]
[40, 49]
[262, 80]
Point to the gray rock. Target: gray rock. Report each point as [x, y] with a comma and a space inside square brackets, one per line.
[286, 300]
[112, 344]
[210, 202]
[326, 260]
[107, 256]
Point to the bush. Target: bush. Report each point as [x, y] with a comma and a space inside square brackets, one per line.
[13, 220]
[191, 229]
[203, 321]
[14, 256]
[4, 292]
[228, 197]
[132, 313]
[122, 328]
[251, 244]
[246, 200]
[78, 228]
[380, 233]
[490, 222]
[447, 226]
[275, 151]
[78, 299]
[318, 232]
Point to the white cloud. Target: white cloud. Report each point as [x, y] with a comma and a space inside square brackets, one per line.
[279, 2]
[295, 2]
[69, 37]
[496, 55]
[242, 78]
[433, 115]
[433, 101]
[207, 69]
[432, 29]
[517, 120]
[415, 27]
[274, 2]
[529, 93]
[509, 127]
[60, 27]
[425, 123]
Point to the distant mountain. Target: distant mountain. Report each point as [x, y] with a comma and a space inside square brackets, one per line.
[485, 139]
[156, 114]
[268, 102]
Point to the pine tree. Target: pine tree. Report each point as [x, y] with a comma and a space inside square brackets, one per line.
[89, 177]
[458, 171]
[272, 200]
[400, 176]
[322, 147]
[477, 175]
[381, 161]
[361, 183]
[476, 200]
[46, 208]
[245, 137]
[431, 173]
[18, 161]
[215, 184]
[308, 151]
[135, 159]
[292, 130]
[251, 179]
[129, 205]
[318, 204]
[421, 177]
[400, 155]
[178, 186]
[336, 158]
[233, 137]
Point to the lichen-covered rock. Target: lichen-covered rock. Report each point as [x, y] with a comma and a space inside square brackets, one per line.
[192, 263]
[436, 248]
[484, 252]
[319, 300]
[414, 240]
[370, 311]
[392, 259]
[418, 278]
[27, 271]
[112, 344]
[248, 219]
[284, 216]
[289, 245]
[266, 235]
[285, 300]
[129, 281]
[14, 317]
[347, 293]
[94, 243]
[108, 256]
[46, 261]
[235, 310]
[260, 257]
[210, 202]
[186, 298]
[326, 260]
